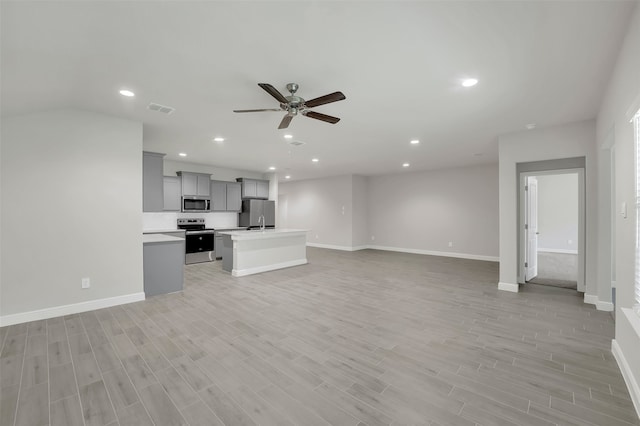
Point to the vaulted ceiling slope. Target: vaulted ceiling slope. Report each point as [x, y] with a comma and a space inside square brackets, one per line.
[400, 65]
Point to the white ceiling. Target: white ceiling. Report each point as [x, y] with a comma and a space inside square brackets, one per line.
[398, 63]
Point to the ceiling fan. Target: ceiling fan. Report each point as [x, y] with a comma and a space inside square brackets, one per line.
[295, 104]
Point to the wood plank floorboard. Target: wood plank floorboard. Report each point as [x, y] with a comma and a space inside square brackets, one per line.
[366, 338]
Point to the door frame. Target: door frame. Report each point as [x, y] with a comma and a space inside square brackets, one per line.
[528, 209]
[522, 237]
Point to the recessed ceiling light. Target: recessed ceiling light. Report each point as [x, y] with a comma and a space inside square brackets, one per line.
[415, 142]
[287, 177]
[315, 160]
[288, 136]
[405, 165]
[468, 82]
[128, 93]
[218, 139]
[530, 126]
[182, 154]
[477, 154]
[272, 168]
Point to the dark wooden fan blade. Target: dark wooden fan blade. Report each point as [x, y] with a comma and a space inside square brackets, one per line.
[326, 99]
[285, 121]
[273, 92]
[323, 117]
[257, 110]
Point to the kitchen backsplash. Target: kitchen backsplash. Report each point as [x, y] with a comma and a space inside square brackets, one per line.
[161, 221]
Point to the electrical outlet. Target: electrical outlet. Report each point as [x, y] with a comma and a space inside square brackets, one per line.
[316, 236]
[373, 238]
[569, 241]
[450, 243]
[86, 283]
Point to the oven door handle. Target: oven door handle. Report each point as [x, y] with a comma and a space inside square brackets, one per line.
[199, 232]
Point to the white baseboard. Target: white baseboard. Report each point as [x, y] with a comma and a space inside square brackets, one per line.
[266, 268]
[74, 308]
[591, 299]
[604, 306]
[552, 250]
[514, 288]
[601, 305]
[627, 374]
[408, 250]
[333, 247]
[437, 253]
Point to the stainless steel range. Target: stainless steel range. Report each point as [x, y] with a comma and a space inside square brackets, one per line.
[199, 241]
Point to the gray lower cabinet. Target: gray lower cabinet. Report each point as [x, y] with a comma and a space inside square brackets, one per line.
[226, 196]
[163, 267]
[227, 253]
[172, 186]
[152, 187]
[218, 246]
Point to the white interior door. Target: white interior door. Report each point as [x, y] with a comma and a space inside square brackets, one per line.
[531, 224]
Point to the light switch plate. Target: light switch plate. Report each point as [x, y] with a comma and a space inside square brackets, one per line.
[623, 209]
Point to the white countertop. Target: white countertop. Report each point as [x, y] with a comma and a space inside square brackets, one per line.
[230, 228]
[161, 231]
[159, 238]
[256, 234]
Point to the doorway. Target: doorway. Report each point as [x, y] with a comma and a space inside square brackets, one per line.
[552, 228]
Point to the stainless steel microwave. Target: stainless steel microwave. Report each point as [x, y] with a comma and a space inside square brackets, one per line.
[195, 204]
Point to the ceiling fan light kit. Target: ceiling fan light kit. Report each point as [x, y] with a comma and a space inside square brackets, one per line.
[293, 104]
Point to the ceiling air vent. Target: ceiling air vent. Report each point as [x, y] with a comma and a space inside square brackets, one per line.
[160, 108]
[296, 143]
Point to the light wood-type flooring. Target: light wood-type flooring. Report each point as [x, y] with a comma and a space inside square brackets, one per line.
[351, 339]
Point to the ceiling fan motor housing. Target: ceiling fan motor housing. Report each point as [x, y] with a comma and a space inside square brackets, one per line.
[295, 102]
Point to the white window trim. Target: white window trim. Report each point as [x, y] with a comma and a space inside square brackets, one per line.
[636, 124]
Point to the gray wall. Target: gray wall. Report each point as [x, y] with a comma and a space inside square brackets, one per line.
[427, 210]
[360, 216]
[324, 206]
[415, 212]
[558, 212]
[621, 101]
[71, 208]
[567, 141]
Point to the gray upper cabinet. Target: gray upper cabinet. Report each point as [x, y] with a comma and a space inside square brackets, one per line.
[172, 193]
[195, 184]
[254, 188]
[262, 189]
[248, 188]
[225, 196]
[152, 186]
[234, 197]
[218, 196]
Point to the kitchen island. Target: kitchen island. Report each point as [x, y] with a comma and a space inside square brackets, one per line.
[254, 251]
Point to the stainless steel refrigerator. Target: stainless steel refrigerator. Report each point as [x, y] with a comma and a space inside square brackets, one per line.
[252, 210]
